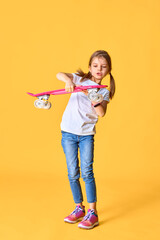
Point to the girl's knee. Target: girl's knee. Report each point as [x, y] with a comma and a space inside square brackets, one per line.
[73, 176]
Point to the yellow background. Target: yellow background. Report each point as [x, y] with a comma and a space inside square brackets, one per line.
[38, 40]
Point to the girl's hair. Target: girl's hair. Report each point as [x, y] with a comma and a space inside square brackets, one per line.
[104, 54]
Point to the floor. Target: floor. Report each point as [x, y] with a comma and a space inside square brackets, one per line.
[33, 207]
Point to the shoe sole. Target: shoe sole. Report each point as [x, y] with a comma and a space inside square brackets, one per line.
[89, 227]
[68, 221]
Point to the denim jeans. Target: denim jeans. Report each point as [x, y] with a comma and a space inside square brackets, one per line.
[71, 143]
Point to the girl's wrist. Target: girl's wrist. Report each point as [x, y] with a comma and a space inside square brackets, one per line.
[94, 104]
[68, 80]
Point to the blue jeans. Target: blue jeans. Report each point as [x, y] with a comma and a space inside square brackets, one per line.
[71, 143]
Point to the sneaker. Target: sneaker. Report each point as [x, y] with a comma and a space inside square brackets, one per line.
[90, 220]
[76, 215]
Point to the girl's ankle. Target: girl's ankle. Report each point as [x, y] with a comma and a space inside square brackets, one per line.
[95, 210]
[81, 205]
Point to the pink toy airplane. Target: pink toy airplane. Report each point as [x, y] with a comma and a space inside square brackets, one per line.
[42, 101]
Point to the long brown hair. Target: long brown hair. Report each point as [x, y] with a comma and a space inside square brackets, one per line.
[104, 54]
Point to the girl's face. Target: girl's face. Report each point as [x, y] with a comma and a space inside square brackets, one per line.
[99, 69]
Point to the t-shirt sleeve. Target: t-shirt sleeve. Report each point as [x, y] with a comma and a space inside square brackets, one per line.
[106, 96]
[76, 79]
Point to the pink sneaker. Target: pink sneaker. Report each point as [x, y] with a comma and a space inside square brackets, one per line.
[76, 215]
[90, 220]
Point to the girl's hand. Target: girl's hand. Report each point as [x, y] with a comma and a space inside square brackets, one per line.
[69, 87]
[68, 79]
[84, 91]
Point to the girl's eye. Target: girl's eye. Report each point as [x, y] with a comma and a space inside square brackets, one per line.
[102, 66]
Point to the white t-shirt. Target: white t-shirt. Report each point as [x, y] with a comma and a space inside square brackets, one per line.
[80, 116]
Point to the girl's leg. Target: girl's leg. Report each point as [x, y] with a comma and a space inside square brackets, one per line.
[93, 206]
[70, 147]
[86, 145]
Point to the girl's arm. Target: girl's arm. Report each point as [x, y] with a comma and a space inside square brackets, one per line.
[68, 79]
[101, 109]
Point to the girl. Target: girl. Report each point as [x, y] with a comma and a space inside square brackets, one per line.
[78, 129]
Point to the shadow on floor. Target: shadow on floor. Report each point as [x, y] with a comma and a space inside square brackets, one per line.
[132, 201]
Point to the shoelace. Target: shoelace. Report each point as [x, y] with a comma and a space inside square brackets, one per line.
[77, 209]
[88, 215]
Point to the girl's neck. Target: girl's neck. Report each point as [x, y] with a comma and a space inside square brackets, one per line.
[98, 81]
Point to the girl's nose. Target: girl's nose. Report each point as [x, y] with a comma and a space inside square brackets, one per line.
[99, 67]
